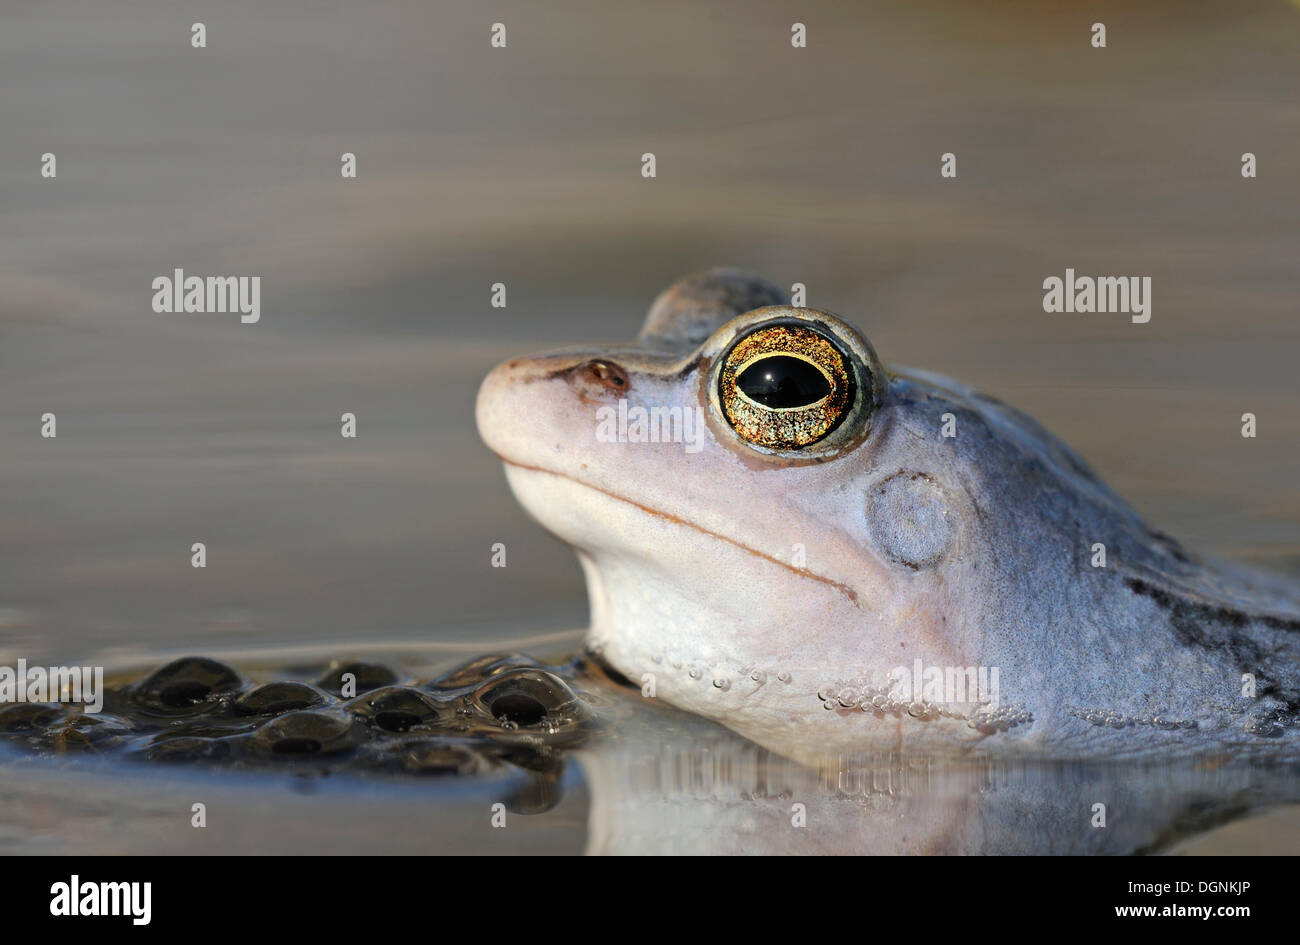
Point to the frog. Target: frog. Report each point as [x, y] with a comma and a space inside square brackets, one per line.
[846, 557]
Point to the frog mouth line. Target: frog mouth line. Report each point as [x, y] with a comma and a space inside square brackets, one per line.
[844, 589]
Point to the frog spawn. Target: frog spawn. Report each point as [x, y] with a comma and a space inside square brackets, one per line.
[494, 715]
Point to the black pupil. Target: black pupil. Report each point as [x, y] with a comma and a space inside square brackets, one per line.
[781, 381]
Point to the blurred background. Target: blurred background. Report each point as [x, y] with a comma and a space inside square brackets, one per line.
[522, 165]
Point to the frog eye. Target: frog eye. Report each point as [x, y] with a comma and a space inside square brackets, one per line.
[785, 386]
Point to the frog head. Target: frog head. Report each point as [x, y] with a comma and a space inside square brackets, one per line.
[781, 534]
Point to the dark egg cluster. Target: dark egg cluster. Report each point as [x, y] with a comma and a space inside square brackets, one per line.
[496, 712]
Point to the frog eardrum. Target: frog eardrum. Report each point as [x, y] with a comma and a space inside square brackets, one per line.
[785, 386]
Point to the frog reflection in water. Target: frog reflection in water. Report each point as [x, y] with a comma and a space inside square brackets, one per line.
[819, 541]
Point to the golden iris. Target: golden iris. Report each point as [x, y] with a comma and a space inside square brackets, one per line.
[784, 387]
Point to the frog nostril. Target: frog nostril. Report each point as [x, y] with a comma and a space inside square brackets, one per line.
[606, 373]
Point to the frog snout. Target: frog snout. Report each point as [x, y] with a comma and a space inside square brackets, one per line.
[505, 410]
[525, 396]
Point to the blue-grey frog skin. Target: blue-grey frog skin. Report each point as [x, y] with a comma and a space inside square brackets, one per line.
[924, 574]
